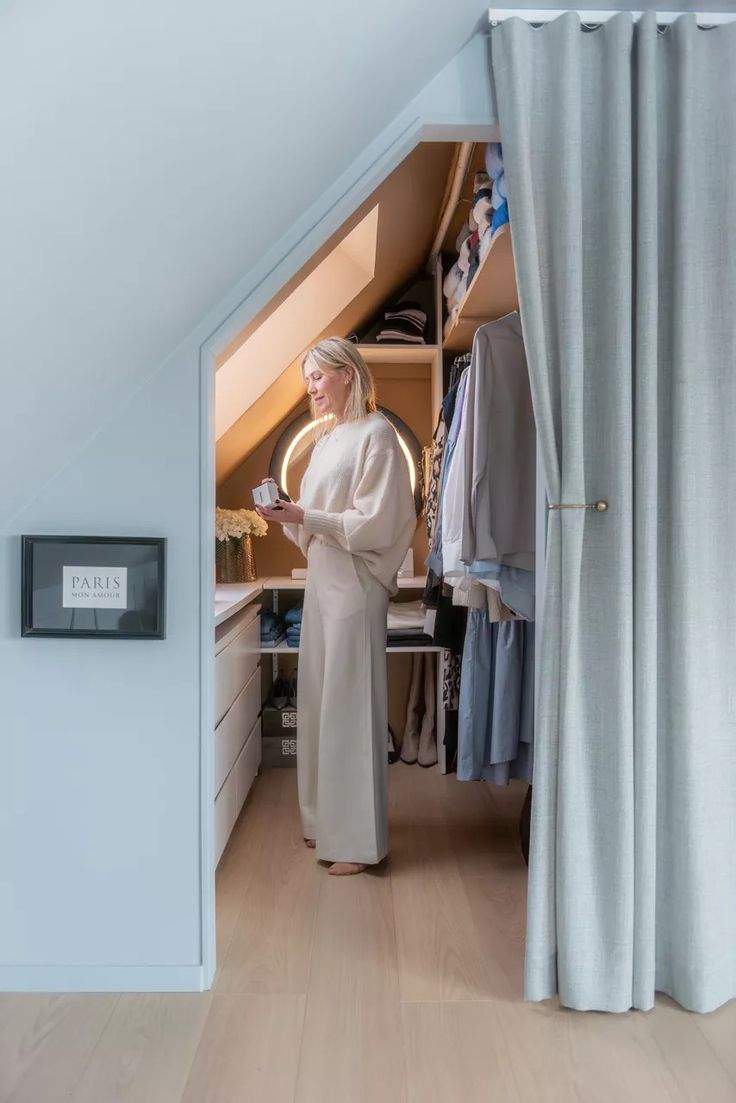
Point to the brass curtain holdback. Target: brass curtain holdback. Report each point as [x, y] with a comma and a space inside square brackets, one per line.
[599, 507]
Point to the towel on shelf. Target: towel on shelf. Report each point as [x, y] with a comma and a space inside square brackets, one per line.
[499, 199]
[473, 243]
[294, 615]
[273, 628]
[464, 232]
[405, 323]
[500, 217]
[403, 615]
[452, 281]
[397, 638]
[396, 333]
[482, 201]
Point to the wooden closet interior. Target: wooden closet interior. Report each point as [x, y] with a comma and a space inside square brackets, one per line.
[397, 245]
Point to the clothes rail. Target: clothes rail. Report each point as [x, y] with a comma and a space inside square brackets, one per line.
[591, 18]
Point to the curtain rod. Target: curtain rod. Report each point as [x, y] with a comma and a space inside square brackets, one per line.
[542, 15]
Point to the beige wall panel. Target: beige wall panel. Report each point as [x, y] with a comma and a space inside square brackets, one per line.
[410, 200]
[406, 393]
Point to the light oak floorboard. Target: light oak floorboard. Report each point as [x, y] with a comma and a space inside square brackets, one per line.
[270, 946]
[46, 1043]
[146, 1050]
[440, 953]
[248, 1052]
[719, 1028]
[235, 866]
[352, 1050]
[659, 1057]
[484, 834]
[317, 969]
[455, 1051]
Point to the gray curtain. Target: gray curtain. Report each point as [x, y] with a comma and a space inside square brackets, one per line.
[620, 151]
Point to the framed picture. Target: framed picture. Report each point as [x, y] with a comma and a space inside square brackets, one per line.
[104, 587]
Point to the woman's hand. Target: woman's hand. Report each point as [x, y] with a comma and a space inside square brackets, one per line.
[285, 513]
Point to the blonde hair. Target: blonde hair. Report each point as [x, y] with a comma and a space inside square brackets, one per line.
[336, 356]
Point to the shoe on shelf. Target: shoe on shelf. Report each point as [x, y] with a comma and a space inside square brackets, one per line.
[393, 751]
[280, 693]
[292, 686]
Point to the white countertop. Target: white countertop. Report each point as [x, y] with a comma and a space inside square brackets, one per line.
[230, 597]
[286, 582]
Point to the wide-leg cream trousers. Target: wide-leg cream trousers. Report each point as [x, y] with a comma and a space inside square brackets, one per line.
[342, 720]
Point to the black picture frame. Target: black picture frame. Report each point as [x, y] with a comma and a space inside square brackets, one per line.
[93, 587]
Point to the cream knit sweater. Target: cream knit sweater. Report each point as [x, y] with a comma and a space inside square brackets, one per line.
[356, 494]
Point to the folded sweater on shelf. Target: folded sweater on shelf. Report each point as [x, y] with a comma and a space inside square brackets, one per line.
[294, 615]
[405, 615]
[272, 626]
[405, 322]
[408, 639]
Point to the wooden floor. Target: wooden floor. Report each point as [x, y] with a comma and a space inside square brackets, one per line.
[399, 985]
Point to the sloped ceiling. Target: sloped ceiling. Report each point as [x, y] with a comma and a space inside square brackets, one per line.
[409, 203]
[151, 153]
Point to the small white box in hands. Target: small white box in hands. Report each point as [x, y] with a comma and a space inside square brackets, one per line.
[265, 494]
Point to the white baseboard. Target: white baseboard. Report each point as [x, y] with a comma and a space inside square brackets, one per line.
[102, 978]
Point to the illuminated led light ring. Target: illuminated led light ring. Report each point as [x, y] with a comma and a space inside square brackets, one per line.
[297, 429]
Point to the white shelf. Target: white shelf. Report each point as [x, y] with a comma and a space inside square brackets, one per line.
[383, 353]
[413, 582]
[284, 649]
[492, 293]
[286, 582]
[231, 597]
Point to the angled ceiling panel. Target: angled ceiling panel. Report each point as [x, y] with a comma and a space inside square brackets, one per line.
[408, 204]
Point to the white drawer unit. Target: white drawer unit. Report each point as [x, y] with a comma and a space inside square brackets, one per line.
[235, 727]
[237, 734]
[225, 815]
[235, 789]
[247, 765]
[237, 653]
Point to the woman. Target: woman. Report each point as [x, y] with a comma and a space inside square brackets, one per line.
[354, 522]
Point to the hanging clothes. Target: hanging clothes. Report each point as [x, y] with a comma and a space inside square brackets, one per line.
[435, 558]
[485, 547]
[419, 743]
[496, 717]
[499, 477]
[431, 506]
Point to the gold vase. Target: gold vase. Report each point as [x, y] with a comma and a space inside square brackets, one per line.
[234, 559]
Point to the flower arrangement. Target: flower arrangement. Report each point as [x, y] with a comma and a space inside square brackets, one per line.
[234, 523]
[234, 559]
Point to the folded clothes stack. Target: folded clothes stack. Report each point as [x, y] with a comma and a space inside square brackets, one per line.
[405, 625]
[294, 624]
[405, 323]
[489, 211]
[408, 639]
[273, 629]
[499, 198]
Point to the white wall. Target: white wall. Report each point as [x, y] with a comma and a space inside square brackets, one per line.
[159, 161]
[160, 164]
[152, 153]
